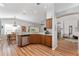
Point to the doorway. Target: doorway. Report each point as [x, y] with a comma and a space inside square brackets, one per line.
[66, 30]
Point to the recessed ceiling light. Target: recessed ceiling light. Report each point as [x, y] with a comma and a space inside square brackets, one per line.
[2, 5]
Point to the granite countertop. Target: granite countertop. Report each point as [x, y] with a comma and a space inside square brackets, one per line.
[45, 34]
[27, 33]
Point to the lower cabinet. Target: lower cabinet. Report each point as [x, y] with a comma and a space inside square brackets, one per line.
[40, 39]
[32, 39]
[48, 41]
[43, 39]
[35, 38]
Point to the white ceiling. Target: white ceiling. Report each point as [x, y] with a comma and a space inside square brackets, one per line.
[25, 11]
[66, 8]
[32, 12]
[59, 7]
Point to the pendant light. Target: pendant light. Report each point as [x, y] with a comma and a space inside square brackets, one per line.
[15, 22]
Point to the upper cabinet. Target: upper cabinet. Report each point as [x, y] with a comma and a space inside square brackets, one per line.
[49, 23]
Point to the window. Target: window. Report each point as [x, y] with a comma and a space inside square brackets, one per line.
[9, 28]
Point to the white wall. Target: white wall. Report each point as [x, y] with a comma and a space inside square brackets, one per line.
[18, 22]
[68, 21]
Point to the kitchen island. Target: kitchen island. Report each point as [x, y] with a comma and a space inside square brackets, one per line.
[34, 38]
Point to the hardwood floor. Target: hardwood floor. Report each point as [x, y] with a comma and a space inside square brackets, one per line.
[64, 49]
[67, 47]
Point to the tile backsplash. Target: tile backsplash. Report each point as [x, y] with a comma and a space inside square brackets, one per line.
[50, 31]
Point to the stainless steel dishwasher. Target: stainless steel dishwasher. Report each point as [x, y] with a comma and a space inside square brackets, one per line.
[25, 40]
[22, 40]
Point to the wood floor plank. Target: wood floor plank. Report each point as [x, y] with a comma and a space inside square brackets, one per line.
[42, 51]
[65, 48]
[37, 51]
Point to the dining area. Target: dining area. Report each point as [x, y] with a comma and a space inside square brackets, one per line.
[11, 37]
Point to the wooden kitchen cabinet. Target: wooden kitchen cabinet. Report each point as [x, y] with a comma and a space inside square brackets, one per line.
[43, 39]
[31, 38]
[40, 39]
[49, 23]
[35, 38]
[48, 41]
